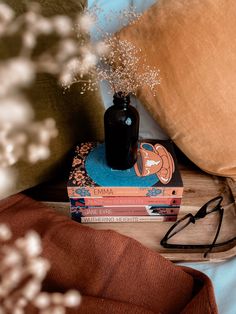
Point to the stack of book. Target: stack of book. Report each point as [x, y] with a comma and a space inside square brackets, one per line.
[150, 191]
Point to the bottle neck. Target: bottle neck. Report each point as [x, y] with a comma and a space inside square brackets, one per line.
[121, 100]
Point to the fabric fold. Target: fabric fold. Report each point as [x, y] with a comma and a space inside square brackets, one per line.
[114, 273]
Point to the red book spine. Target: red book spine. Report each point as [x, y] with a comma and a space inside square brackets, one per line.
[119, 200]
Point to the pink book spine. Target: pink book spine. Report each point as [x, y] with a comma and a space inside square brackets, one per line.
[125, 211]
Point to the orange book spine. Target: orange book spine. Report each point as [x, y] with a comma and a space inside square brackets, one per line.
[98, 191]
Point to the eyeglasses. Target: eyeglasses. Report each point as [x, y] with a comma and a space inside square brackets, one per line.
[214, 205]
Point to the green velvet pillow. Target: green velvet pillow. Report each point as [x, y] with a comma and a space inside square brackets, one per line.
[78, 117]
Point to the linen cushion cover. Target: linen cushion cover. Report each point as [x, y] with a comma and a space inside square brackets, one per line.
[193, 44]
[78, 117]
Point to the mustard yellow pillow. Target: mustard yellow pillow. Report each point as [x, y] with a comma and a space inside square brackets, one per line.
[193, 43]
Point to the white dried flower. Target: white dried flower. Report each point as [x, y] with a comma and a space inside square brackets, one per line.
[20, 284]
[6, 13]
[102, 48]
[123, 68]
[42, 301]
[31, 17]
[22, 302]
[37, 153]
[15, 74]
[66, 49]
[73, 65]
[22, 70]
[30, 141]
[31, 289]
[88, 60]
[66, 79]
[13, 277]
[29, 40]
[12, 256]
[7, 179]
[57, 298]
[15, 111]
[39, 268]
[5, 232]
[62, 25]
[72, 298]
[85, 22]
[58, 310]
[32, 244]
[43, 26]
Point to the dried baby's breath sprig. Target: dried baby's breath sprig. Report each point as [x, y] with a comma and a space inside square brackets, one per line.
[124, 70]
[122, 67]
[88, 20]
[110, 59]
[120, 18]
[22, 271]
[125, 17]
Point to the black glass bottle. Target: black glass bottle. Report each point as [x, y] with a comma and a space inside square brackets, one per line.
[121, 123]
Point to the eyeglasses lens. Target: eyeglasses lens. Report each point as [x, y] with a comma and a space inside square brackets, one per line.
[180, 226]
[212, 205]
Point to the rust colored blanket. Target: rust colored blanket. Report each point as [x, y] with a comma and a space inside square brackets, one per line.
[115, 274]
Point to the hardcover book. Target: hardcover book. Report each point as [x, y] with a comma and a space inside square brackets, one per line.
[155, 173]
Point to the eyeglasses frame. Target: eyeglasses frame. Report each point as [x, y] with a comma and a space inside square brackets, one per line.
[201, 213]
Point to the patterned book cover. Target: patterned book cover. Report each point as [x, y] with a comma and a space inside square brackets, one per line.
[154, 174]
[99, 219]
[124, 211]
[126, 200]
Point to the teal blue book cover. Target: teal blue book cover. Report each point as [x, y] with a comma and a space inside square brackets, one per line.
[155, 172]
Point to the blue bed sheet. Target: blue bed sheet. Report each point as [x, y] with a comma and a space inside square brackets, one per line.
[223, 275]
